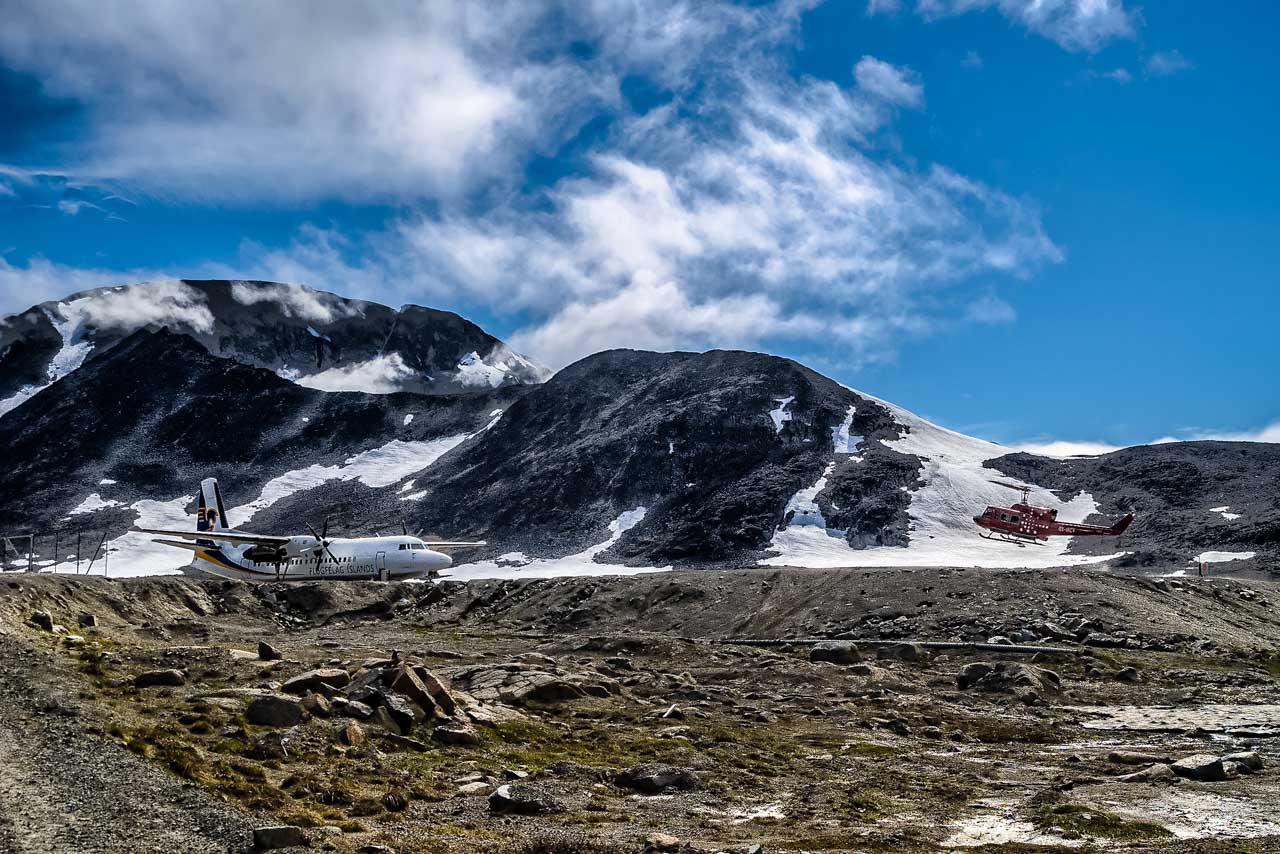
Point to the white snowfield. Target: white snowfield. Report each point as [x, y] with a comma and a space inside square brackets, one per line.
[68, 321]
[942, 533]
[517, 565]
[1223, 511]
[135, 554]
[1223, 557]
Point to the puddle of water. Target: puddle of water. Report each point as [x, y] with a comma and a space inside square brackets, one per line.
[1262, 720]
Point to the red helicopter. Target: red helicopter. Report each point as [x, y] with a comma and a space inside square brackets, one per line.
[1023, 523]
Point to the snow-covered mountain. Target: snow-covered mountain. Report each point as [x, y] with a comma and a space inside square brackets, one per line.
[311, 337]
[624, 461]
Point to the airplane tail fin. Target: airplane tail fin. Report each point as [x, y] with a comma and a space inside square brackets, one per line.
[1119, 527]
[212, 514]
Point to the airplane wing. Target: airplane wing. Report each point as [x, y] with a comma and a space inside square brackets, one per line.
[449, 545]
[225, 536]
[180, 544]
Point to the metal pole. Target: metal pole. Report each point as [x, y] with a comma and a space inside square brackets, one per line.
[31, 552]
[89, 569]
[55, 551]
[77, 551]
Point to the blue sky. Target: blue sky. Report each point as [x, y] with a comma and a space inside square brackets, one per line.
[1029, 221]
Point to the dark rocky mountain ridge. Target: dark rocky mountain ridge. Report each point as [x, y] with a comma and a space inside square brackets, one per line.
[314, 337]
[716, 448]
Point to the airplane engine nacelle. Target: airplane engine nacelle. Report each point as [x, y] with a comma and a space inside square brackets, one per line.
[267, 554]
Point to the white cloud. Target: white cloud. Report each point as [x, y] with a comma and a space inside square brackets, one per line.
[972, 59]
[1074, 24]
[170, 302]
[877, 7]
[1118, 75]
[1165, 63]
[894, 84]
[297, 100]
[294, 300]
[748, 192]
[1068, 448]
[992, 310]
[38, 280]
[380, 375]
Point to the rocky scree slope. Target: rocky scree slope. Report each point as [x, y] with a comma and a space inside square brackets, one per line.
[707, 450]
[1187, 497]
[314, 337]
[153, 415]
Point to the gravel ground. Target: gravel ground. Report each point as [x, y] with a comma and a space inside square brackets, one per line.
[63, 788]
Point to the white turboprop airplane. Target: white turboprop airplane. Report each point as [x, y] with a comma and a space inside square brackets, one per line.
[229, 553]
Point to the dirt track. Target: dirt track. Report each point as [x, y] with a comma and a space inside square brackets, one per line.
[65, 788]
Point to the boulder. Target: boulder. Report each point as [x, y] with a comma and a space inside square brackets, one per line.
[1127, 674]
[351, 708]
[267, 652]
[382, 718]
[479, 787]
[1203, 767]
[406, 713]
[521, 799]
[654, 778]
[43, 620]
[153, 678]
[1133, 757]
[349, 733]
[275, 710]
[1026, 680]
[85, 620]
[395, 801]
[455, 734]
[661, 842]
[835, 652]
[405, 680]
[1158, 773]
[971, 674]
[1248, 762]
[902, 652]
[280, 836]
[437, 690]
[1105, 641]
[317, 704]
[312, 680]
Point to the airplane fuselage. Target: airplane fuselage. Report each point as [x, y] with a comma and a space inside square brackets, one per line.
[362, 558]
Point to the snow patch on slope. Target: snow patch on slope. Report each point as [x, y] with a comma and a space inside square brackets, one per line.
[134, 553]
[942, 531]
[516, 565]
[1222, 511]
[74, 350]
[1223, 557]
[780, 415]
[378, 467]
[92, 503]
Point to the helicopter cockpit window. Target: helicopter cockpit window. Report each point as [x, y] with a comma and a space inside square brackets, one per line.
[1004, 517]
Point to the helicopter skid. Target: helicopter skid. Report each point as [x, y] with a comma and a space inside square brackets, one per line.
[1006, 538]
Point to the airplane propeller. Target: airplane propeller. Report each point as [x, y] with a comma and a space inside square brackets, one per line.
[322, 538]
[404, 529]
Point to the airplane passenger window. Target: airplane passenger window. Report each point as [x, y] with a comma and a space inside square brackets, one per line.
[1004, 517]
[1015, 519]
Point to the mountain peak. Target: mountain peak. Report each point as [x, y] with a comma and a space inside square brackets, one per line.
[312, 337]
